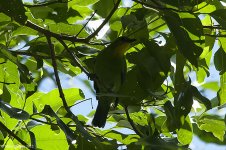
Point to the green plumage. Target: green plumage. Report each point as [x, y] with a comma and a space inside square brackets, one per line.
[110, 69]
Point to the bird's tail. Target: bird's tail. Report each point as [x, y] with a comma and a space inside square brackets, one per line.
[100, 116]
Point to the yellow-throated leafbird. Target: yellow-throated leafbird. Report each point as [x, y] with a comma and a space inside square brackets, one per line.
[110, 70]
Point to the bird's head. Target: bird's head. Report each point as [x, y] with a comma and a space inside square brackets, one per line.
[122, 44]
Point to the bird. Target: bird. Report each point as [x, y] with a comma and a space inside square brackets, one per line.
[110, 70]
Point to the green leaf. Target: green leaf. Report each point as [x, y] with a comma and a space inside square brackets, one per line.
[13, 112]
[132, 93]
[33, 140]
[53, 99]
[201, 98]
[150, 74]
[220, 60]
[211, 85]
[183, 102]
[107, 5]
[207, 137]
[123, 138]
[214, 125]
[139, 118]
[83, 3]
[135, 27]
[85, 50]
[68, 132]
[1, 136]
[210, 6]
[171, 121]
[184, 41]
[24, 72]
[23, 30]
[222, 92]
[8, 7]
[44, 134]
[220, 16]
[124, 124]
[185, 133]
[63, 28]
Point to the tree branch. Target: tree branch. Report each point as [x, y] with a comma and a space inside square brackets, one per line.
[214, 27]
[132, 123]
[32, 54]
[86, 23]
[2, 126]
[55, 35]
[159, 7]
[53, 56]
[79, 126]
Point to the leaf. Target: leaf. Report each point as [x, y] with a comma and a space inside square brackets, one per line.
[83, 3]
[123, 138]
[53, 99]
[171, 120]
[150, 74]
[23, 30]
[44, 134]
[222, 92]
[107, 5]
[18, 13]
[132, 93]
[213, 125]
[139, 118]
[207, 137]
[160, 54]
[185, 43]
[85, 50]
[211, 85]
[131, 24]
[185, 133]
[25, 76]
[201, 98]
[220, 16]
[68, 132]
[13, 112]
[220, 60]
[33, 140]
[183, 102]
[124, 124]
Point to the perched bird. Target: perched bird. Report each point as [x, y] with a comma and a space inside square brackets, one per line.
[110, 70]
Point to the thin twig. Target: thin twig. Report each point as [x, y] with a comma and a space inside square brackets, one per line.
[32, 54]
[159, 8]
[132, 123]
[215, 35]
[55, 35]
[81, 102]
[215, 27]
[47, 123]
[86, 23]
[105, 21]
[54, 63]
[7, 83]
[2, 126]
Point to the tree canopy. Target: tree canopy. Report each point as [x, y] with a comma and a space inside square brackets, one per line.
[170, 94]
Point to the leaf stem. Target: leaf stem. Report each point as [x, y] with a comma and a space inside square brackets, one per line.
[2, 126]
[132, 123]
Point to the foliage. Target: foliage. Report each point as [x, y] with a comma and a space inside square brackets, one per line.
[174, 42]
